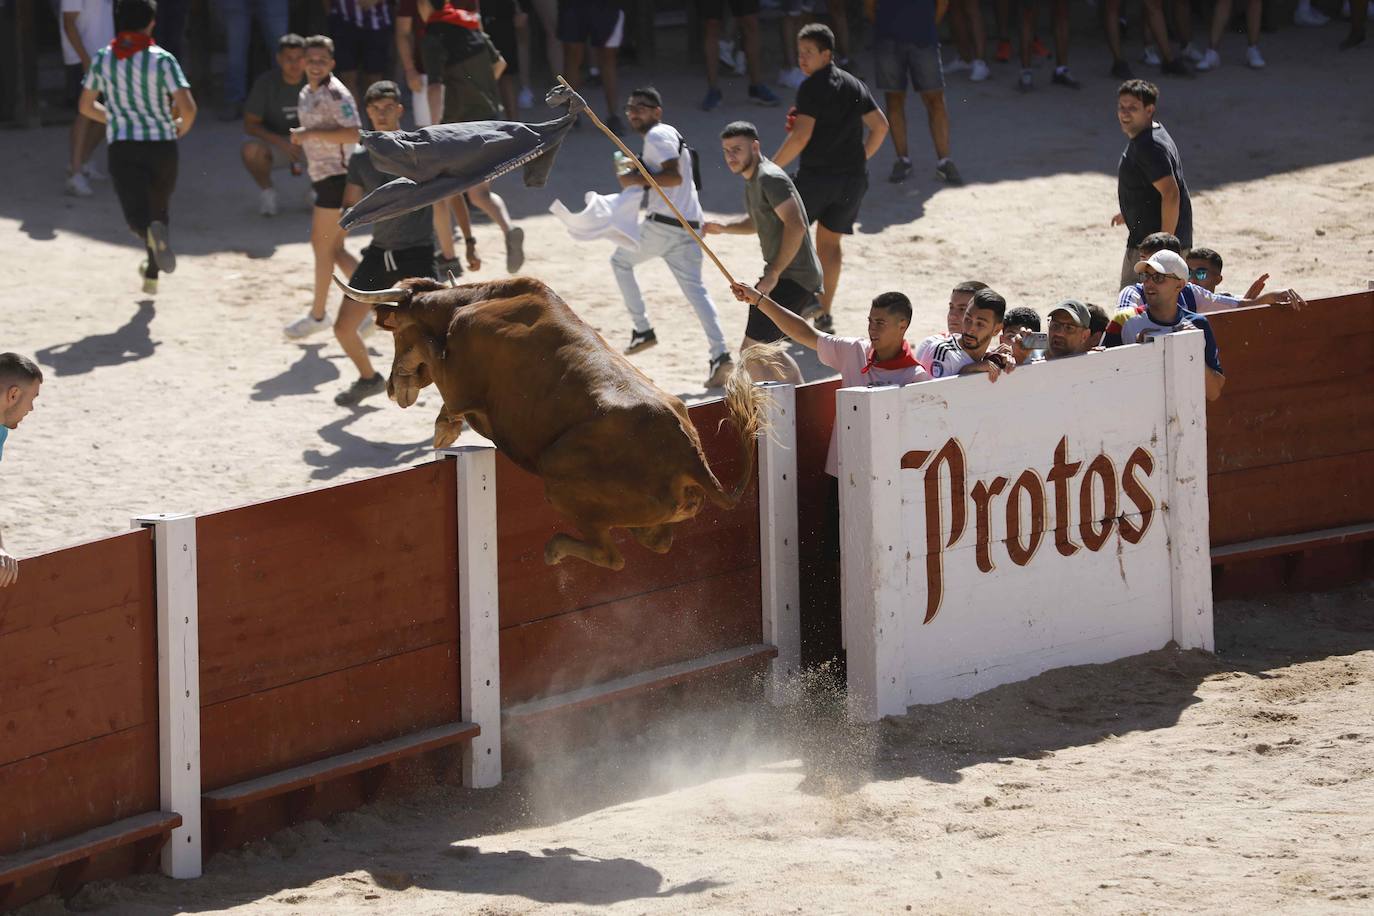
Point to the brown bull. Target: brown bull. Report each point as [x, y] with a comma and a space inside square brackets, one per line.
[613, 449]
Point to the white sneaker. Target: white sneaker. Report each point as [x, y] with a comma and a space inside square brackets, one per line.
[725, 50]
[1209, 61]
[267, 202]
[1306, 16]
[792, 78]
[525, 101]
[958, 66]
[78, 186]
[979, 71]
[1192, 53]
[1253, 58]
[306, 325]
[1151, 57]
[93, 173]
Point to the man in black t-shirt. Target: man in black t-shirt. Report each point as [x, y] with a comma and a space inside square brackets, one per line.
[826, 131]
[1149, 185]
[268, 116]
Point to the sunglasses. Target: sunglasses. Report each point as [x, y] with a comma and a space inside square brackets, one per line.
[1155, 278]
[1199, 273]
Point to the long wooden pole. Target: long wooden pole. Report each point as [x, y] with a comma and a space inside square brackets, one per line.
[653, 184]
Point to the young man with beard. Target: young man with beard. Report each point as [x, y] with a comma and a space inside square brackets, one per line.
[1164, 275]
[20, 379]
[774, 211]
[827, 135]
[966, 353]
[667, 157]
[1150, 188]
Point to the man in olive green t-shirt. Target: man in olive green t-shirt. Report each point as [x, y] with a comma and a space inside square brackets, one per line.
[268, 116]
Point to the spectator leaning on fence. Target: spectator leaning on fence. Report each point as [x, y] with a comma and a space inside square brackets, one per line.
[1070, 327]
[20, 379]
[1165, 274]
[87, 26]
[968, 352]
[1195, 297]
[269, 115]
[1015, 323]
[147, 107]
[959, 298]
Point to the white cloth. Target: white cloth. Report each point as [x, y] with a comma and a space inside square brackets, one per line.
[604, 217]
[95, 25]
[664, 144]
[848, 356]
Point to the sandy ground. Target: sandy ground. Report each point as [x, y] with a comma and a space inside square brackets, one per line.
[1172, 781]
[1168, 782]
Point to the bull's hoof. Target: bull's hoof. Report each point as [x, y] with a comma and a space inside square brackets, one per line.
[552, 555]
[447, 431]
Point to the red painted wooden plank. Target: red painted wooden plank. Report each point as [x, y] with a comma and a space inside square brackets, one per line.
[272, 730]
[18, 867]
[62, 792]
[619, 638]
[78, 640]
[298, 587]
[1291, 498]
[1309, 419]
[715, 541]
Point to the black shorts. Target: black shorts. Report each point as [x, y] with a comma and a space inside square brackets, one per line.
[788, 294]
[498, 20]
[382, 269]
[329, 192]
[76, 77]
[715, 9]
[357, 48]
[599, 23]
[832, 200]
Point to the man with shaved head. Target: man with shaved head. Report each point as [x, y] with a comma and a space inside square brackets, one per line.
[20, 379]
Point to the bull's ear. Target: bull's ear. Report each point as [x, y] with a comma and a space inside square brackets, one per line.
[388, 316]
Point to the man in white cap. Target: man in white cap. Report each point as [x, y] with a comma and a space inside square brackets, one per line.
[1163, 276]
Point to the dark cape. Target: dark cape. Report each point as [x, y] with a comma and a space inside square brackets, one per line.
[435, 163]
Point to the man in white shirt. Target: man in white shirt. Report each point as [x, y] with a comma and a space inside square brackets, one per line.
[669, 160]
[968, 352]
[87, 26]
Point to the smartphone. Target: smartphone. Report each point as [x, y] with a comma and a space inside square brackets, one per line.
[1035, 340]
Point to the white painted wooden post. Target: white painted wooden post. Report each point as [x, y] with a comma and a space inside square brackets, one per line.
[479, 639]
[872, 551]
[178, 685]
[1187, 516]
[780, 561]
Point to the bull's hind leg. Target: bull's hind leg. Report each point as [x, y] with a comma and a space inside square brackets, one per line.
[659, 538]
[598, 549]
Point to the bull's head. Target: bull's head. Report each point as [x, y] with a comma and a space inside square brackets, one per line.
[418, 345]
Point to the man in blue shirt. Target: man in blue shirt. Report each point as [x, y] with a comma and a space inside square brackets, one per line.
[908, 53]
[20, 379]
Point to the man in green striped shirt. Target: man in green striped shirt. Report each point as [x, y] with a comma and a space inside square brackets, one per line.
[147, 106]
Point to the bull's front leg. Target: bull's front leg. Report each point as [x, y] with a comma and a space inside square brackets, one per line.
[447, 427]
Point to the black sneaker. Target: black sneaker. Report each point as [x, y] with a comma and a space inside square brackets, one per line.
[1122, 70]
[515, 249]
[901, 170]
[162, 248]
[1062, 77]
[721, 367]
[640, 341]
[353, 395]
[1175, 67]
[948, 172]
[824, 322]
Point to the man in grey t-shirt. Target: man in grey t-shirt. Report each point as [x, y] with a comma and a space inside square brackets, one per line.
[268, 116]
[774, 212]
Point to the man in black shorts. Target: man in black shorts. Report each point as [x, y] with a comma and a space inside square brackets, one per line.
[826, 130]
[401, 247]
[601, 24]
[774, 211]
[361, 30]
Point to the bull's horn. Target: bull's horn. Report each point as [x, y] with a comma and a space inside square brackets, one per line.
[377, 297]
[452, 279]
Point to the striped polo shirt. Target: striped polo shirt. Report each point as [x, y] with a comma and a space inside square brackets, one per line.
[138, 93]
[374, 17]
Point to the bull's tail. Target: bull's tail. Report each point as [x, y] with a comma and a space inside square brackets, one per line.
[747, 405]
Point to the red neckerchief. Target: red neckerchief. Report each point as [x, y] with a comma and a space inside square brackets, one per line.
[464, 18]
[904, 360]
[127, 44]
